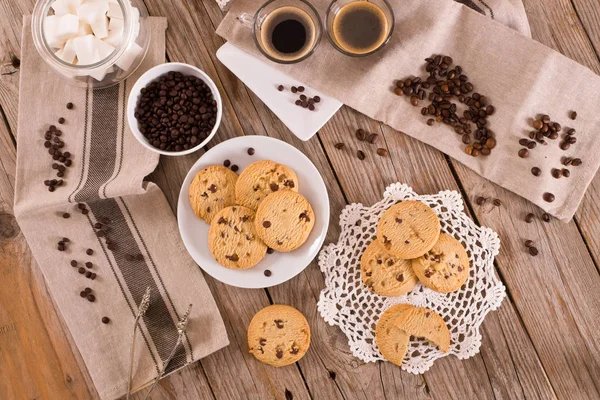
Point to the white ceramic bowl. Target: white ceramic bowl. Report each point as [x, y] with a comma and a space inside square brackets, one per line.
[151, 75]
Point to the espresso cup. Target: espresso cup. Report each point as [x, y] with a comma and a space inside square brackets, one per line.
[285, 31]
[359, 28]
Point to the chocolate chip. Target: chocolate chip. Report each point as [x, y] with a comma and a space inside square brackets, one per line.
[279, 354]
[279, 323]
[400, 278]
[89, 252]
[105, 320]
[266, 224]
[234, 257]
[274, 187]
[270, 250]
[212, 188]
[529, 218]
[262, 342]
[267, 272]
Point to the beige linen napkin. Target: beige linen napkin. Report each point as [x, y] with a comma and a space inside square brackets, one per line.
[107, 175]
[521, 77]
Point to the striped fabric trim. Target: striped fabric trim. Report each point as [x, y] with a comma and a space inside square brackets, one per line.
[102, 163]
[471, 4]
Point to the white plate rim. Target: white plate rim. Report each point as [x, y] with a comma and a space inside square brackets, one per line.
[321, 188]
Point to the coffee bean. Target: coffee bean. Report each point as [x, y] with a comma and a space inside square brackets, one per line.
[105, 320]
[537, 124]
[497, 202]
[88, 274]
[234, 168]
[533, 251]
[91, 298]
[294, 89]
[523, 142]
[529, 243]
[73, 263]
[267, 272]
[339, 146]
[360, 134]
[360, 154]
[66, 215]
[529, 218]
[576, 162]
[536, 171]
[266, 224]
[251, 151]
[556, 173]
[69, 106]
[280, 88]
[566, 173]
[89, 265]
[573, 115]
[373, 138]
[549, 197]
[414, 100]
[302, 97]
[81, 270]
[480, 200]
[83, 293]
[565, 145]
[546, 217]
[301, 89]
[311, 107]
[571, 132]
[430, 122]
[226, 163]
[523, 153]
[382, 152]
[531, 145]
[317, 99]
[89, 252]
[61, 120]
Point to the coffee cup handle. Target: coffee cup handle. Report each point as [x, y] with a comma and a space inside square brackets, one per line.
[246, 19]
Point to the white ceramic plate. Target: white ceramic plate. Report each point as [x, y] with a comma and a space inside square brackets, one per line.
[284, 266]
[262, 78]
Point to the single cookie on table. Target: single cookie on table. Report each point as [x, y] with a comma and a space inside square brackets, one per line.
[284, 220]
[424, 323]
[212, 190]
[278, 335]
[408, 229]
[392, 341]
[232, 239]
[262, 178]
[444, 268]
[385, 274]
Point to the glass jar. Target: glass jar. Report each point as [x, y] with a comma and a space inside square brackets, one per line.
[126, 57]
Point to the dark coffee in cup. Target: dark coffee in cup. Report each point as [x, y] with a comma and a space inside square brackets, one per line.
[288, 33]
[360, 27]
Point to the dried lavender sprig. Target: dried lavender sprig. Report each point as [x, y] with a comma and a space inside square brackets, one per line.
[142, 308]
[181, 328]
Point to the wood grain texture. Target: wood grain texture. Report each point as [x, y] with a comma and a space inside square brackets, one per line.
[524, 352]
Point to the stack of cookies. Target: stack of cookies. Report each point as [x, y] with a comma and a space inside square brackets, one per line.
[408, 249]
[257, 212]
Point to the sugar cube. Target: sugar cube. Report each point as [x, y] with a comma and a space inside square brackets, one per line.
[50, 26]
[84, 29]
[62, 7]
[67, 26]
[68, 52]
[115, 32]
[85, 49]
[136, 21]
[92, 10]
[127, 59]
[100, 27]
[114, 11]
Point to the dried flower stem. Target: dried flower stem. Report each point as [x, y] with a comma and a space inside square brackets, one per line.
[181, 328]
[142, 308]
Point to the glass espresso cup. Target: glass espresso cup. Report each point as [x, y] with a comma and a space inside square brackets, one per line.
[359, 28]
[285, 31]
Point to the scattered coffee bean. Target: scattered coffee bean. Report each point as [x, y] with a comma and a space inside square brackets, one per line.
[61, 120]
[339, 146]
[480, 200]
[311, 107]
[89, 252]
[523, 153]
[89, 265]
[549, 197]
[91, 298]
[430, 121]
[373, 138]
[83, 293]
[529, 218]
[533, 251]
[317, 99]
[556, 173]
[529, 243]
[566, 173]
[267, 272]
[301, 89]
[360, 154]
[536, 171]
[382, 152]
[234, 168]
[497, 202]
[546, 217]
[81, 270]
[576, 162]
[251, 151]
[226, 163]
[280, 88]
[361, 134]
[105, 320]
[73, 263]
[294, 89]
[176, 112]
[565, 145]
[88, 274]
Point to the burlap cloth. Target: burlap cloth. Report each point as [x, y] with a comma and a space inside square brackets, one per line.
[108, 168]
[521, 77]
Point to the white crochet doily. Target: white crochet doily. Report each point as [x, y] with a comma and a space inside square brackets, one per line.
[347, 303]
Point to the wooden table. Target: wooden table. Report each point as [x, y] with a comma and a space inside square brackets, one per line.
[543, 342]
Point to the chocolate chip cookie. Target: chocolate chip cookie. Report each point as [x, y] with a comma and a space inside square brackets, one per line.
[385, 274]
[424, 323]
[278, 335]
[211, 190]
[262, 178]
[408, 229]
[232, 239]
[444, 268]
[284, 220]
[392, 341]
